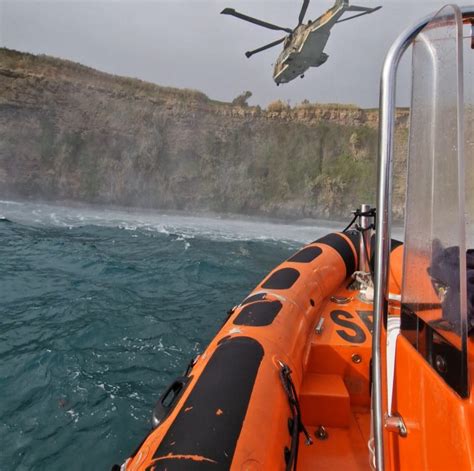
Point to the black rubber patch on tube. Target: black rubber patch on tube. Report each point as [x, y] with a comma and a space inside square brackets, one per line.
[282, 279]
[205, 432]
[308, 254]
[258, 314]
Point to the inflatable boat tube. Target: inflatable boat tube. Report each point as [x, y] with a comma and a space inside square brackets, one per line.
[234, 407]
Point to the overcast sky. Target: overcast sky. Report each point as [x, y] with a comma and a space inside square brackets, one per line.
[188, 44]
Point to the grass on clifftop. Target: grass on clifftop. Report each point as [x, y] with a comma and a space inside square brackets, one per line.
[55, 68]
[49, 66]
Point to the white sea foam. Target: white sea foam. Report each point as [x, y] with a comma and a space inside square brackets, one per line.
[184, 226]
[11, 203]
[74, 415]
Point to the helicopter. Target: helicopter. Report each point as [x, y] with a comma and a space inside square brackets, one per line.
[304, 45]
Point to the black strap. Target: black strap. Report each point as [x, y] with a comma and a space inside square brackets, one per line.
[297, 423]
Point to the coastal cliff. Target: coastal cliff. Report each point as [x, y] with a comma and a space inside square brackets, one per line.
[70, 132]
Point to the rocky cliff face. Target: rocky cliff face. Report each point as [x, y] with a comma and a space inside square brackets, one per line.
[70, 132]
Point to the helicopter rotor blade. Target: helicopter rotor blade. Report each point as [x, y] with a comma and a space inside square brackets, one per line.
[232, 12]
[264, 48]
[304, 7]
[366, 11]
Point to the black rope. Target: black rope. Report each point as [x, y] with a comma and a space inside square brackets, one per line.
[352, 222]
[297, 424]
[358, 213]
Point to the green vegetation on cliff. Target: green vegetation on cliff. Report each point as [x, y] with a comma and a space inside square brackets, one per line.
[70, 132]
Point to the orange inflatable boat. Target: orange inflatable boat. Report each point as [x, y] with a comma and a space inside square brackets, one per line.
[293, 359]
[357, 352]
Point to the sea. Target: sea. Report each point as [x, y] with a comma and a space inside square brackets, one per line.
[102, 308]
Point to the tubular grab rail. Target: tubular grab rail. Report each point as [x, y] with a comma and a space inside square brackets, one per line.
[383, 225]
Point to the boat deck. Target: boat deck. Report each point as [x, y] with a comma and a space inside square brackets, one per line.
[335, 392]
[345, 448]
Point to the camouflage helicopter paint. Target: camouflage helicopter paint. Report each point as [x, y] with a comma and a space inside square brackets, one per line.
[304, 45]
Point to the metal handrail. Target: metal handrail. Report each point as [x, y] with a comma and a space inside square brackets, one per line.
[384, 216]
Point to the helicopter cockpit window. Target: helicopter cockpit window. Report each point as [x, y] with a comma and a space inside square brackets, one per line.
[438, 280]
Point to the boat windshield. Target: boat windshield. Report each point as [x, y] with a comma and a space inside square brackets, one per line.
[437, 315]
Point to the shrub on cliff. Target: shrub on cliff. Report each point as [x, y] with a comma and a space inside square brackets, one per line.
[305, 104]
[278, 106]
[242, 99]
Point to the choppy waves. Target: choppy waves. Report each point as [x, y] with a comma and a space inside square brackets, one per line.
[101, 309]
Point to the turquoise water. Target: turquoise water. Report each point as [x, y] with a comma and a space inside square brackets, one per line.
[101, 310]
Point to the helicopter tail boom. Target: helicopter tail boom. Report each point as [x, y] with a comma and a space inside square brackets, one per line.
[363, 10]
[347, 7]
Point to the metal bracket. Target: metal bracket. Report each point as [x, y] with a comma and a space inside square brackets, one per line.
[341, 300]
[394, 423]
[319, 328]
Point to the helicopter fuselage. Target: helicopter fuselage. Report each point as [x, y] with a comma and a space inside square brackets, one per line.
[304, 48]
